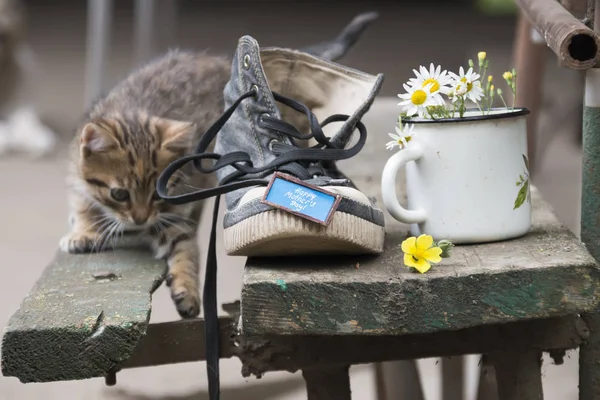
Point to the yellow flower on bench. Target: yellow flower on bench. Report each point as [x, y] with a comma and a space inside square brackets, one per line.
[420, 252]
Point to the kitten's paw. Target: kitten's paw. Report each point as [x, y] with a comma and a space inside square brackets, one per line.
[185, 296]
[77, 243]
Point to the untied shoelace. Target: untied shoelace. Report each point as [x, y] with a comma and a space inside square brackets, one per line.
[302, 162]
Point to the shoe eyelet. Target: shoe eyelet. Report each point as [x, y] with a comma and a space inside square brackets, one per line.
[246, 61]
[271, 143]
[263, 115]
[255, 88]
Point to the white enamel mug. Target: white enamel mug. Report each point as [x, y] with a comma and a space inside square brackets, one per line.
[467, 179]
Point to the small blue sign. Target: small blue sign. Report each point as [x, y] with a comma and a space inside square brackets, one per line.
[299, 198]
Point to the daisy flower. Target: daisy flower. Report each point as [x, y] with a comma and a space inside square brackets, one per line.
[469, 85]
[459, 89]
[401, 138]
[440, 80]
[417, 99]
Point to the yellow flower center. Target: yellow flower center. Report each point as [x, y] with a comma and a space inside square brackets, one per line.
[418, 97]
[435, 85]
[469, 84]
[406, 139]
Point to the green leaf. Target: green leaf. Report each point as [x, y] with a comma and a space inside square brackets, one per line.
[526, 161]
[522, 195]
[446, 246]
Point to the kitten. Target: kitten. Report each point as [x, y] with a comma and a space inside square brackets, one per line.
[21, 128]
[127, 138]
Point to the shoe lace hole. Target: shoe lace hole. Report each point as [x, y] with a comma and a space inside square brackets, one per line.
[272, 142]
[255, 88]
[246, 61]
[263, 116]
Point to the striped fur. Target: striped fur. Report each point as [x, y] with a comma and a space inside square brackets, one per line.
[124, 142]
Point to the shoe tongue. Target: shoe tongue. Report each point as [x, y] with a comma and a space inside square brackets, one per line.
[325, 87]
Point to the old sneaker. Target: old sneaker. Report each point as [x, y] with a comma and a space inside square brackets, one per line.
[274, 102]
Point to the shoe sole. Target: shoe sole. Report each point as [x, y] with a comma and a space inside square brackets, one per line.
[278, 233]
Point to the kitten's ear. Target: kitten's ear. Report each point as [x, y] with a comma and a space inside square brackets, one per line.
[97, 139]
[175, 135]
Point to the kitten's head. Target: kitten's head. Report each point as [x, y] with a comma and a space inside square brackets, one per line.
[120, 160]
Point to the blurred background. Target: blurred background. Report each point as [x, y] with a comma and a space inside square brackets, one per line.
[33, 213]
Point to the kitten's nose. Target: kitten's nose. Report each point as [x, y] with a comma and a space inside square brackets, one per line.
[140, 217]
[140, 220]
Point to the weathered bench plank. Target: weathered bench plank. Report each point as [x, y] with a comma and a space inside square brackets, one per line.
[547, 273]
[85, 314]
[260, 354]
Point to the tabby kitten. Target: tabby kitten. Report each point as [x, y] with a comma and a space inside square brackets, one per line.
[128, 137]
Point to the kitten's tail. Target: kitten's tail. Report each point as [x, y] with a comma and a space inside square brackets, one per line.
[337, 48]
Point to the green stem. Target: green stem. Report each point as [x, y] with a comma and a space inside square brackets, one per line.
[483, 79]
[502, 98]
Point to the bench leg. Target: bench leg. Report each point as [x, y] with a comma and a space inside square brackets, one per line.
[398, 380]
[589, 354]
[331, 383]
[488, 388]
[453, 378]
[519, 375]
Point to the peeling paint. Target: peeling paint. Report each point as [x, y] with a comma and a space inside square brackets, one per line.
[281, 284]
[348, 327]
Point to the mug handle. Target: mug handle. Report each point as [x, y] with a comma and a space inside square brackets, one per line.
[388, 185]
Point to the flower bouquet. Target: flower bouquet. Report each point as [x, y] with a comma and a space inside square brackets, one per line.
[464, 151]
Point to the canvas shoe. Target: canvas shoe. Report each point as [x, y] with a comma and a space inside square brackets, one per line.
[274, 102]
[276, 99]
[273, 125]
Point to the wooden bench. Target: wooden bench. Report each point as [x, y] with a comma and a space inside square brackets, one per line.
[87, 316]
[84, 316]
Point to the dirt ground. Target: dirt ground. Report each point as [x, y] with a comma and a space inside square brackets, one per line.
[33, 210]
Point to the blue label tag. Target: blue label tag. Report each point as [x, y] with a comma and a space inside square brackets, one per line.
[299, 198]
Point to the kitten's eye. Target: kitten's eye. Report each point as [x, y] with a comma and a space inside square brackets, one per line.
[119, 194]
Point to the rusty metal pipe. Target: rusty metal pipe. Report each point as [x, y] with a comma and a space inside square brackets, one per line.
[575, 45]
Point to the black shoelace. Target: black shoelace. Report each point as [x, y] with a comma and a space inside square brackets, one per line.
[301, 162]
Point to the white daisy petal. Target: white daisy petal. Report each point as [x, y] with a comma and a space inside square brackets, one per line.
[391, 145]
